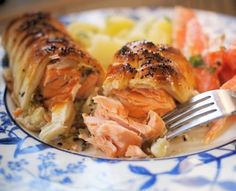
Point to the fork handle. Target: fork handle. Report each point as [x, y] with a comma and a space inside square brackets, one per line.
[233, 95]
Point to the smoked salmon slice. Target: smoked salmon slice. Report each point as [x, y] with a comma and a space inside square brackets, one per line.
[189, 36]
[182, 16]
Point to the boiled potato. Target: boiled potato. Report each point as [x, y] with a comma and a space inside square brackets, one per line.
[102, 43]
[104, 47]
[160, 32]
[136, 34]
[160, 147]
[83, 32]
[139, 31]
[118, 24]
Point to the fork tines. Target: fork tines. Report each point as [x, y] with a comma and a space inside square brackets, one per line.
[200, 110]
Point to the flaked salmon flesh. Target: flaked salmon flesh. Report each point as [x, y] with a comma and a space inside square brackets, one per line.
[112, 127]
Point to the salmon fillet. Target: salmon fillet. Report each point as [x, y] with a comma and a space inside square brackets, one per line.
[139, 102]
[111, 123]
[143, 83]
[46, 63]
[144, 65]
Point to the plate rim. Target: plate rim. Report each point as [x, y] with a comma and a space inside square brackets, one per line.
[138, 174]
[100, 157]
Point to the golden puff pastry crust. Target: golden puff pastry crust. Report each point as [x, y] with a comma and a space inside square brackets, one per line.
[142, 64]
[35, 41]
[50, 72]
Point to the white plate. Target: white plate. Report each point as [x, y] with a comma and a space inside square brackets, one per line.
[28, 164]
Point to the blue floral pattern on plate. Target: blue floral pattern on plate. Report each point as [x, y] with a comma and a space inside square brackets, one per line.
[28, 164]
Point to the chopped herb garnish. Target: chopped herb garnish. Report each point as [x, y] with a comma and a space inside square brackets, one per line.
[211, 70]
[76, 139]
[185, 137]
[5, 61]
[22, 94]
[196, 61]
[167, 18]
[82, 35]
[218, 63]
[79, 104]
[222, 47]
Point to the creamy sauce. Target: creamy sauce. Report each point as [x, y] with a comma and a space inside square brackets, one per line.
[190, 142]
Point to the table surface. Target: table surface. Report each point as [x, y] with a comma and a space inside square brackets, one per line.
[12, 8]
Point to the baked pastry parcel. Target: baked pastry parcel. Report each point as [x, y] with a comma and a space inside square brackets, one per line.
[49, 73]
[144, 82]
[52, 78]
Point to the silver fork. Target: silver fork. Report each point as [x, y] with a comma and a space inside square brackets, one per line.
[200, 110]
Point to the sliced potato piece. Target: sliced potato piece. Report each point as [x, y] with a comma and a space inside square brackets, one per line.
[160, 32]
[160, 147]
[104, 48]
[83, 32]
[139, 31]
[117, 24]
